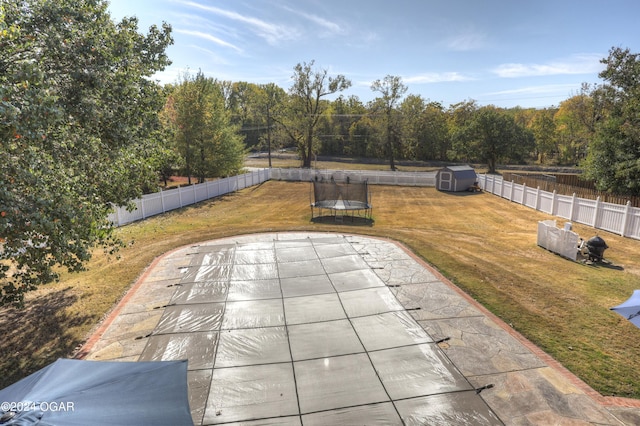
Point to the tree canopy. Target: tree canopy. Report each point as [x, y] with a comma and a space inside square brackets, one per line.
[78, 125]
[613, 159]
[493, 136]
[195, 114]
[306, 106]
[392, 90]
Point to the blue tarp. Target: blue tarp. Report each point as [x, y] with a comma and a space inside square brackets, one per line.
[78, 392]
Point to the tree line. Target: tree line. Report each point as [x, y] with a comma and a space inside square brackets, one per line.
[399, 126]
[84, 127]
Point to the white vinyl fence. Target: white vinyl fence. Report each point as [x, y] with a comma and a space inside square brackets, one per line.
[619, 219]
[164, 201]
[373, 177]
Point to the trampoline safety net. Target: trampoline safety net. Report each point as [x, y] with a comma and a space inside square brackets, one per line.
[341, 198]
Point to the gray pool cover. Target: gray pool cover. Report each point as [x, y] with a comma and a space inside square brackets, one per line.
[303, 330]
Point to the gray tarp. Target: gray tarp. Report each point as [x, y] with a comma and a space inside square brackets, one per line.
[76, 392]
[630, 309]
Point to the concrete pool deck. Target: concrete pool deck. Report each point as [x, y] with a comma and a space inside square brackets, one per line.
[324, 328]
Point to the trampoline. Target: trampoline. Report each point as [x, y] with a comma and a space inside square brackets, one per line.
[340, 199]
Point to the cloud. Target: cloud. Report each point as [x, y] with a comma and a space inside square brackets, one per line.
[208, 37]
[537, 90]
[330, 27]
[215, 57]
[434, 77]
[576, 64]
[466, 41]
[272, 33]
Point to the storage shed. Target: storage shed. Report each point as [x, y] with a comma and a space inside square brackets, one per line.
[456, 178]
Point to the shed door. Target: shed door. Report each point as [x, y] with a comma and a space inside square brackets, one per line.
[446, 181]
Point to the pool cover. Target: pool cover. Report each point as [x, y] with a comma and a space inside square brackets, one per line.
[303, 330]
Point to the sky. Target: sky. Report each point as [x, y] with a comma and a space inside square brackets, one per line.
[507, 53]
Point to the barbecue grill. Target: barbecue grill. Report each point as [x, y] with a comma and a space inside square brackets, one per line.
[596, 247]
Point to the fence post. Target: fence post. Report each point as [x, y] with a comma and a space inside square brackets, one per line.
[596, 213]
[180, 195]
[144, 215]
[524, 194]
[554, 201]
[573, 206]
[537, 198]
[117, 210]
[162, 200]
[511, 192]
[625, 219]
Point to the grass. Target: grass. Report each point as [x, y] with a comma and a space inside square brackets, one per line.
[484, 244]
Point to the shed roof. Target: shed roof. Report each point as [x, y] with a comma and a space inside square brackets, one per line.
[466, 173]
[460, 168]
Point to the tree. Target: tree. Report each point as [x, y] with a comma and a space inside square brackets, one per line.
[270, 100]
[362, 138]
[493, 136]
[245, 108]
[306, 105]
[613, 158]
[411, 110]
[392, 90]
[460, 117]
[575, 125]
[544, 132]
[210, 145]
[435, 140]
[78, 112]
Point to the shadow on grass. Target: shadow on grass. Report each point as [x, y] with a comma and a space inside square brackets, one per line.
[37, 335]
[461, 193]
[343, 220]
[602, 264]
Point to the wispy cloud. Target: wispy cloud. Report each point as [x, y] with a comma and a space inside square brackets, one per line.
[545, 89]
[577, 64]
[208, 37]
[213, 55]
[272, 33]
[466, 41]
[331, 28]
[433, 77]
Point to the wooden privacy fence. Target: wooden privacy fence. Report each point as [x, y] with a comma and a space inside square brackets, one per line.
[622, 219]
[569, 185]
